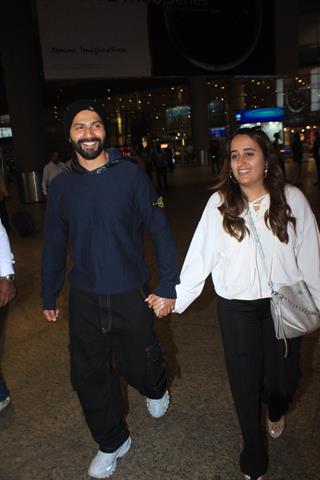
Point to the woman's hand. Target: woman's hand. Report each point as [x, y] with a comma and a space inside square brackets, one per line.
[161, 306]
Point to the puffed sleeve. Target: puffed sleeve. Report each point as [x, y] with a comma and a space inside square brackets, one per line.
[200, 259]
[308, 246]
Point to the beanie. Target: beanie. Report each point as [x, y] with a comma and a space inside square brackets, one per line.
[85, 104]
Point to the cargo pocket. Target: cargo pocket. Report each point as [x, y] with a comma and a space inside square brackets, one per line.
[156, 371]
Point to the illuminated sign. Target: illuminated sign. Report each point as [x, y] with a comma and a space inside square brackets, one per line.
[181, 111]
[274, 114]
[218, 132]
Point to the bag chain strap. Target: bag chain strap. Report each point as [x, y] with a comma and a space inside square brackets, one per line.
[290, 302]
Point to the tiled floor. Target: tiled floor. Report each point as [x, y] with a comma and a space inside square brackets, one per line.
[43, 435]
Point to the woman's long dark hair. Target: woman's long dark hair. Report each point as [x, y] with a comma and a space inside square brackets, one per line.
[234, 200]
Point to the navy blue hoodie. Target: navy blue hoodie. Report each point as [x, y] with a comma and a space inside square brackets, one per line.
[102, 212]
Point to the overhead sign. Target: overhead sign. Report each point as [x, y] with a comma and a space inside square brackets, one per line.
[275, 114]
[140, 38]
[315, 89]
[93, 39]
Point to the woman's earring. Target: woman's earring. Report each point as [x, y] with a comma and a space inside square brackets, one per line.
[266, 171]
[233, 180]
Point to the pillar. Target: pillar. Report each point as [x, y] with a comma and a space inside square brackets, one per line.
[199, 118]
[20, 55]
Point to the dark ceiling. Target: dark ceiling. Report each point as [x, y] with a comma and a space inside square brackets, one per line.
[63, 92]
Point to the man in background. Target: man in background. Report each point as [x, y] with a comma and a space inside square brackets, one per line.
[51, 170]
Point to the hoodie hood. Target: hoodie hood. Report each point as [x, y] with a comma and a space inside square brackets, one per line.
[114, 158]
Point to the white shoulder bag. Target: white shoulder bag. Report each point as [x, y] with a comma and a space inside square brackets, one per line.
[293, 309]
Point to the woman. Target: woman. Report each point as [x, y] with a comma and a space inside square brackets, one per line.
[297, 156]
[251, 180]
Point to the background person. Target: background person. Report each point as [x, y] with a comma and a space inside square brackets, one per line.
[160, 164]
[51, 170]
[277, 148]
[168, 153]
[101, 205]
[297, 156]
[214, 156]
[251, 179]
[3, 207]
[316, 155]
[147, 161]
[7, 293]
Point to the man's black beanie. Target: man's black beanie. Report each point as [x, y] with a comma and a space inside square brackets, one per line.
[72, 110]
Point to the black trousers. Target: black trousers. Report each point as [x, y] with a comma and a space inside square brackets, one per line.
[257, 370]
[107, 330]
[3, 316]
[162, 177]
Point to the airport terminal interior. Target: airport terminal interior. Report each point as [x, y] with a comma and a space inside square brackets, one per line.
[43, 434]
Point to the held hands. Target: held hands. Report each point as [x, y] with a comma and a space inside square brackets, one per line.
[161, 306]
[51, 315]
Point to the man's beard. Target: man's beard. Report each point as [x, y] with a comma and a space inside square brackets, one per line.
[89, 154]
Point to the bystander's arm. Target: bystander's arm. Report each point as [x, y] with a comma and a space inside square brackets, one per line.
[7, 285]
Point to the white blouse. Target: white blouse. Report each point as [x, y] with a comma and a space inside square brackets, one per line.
[236, 268]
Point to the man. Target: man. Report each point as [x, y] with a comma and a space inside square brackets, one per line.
[159, 161]
[51, 170]
[7, 293]
[277, 149]
[101, 205]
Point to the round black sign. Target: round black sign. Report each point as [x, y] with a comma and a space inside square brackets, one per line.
[211, 34]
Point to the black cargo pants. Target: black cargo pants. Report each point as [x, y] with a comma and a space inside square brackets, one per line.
[107, 330]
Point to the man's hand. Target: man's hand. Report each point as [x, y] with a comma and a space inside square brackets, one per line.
[51, 315]
[7, 291]
[161, 306]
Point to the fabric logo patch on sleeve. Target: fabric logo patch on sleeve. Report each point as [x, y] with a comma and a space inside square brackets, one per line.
[159, 202]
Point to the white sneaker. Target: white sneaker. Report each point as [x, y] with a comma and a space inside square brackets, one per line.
[104, 464]
[4, 403]
[158, 407]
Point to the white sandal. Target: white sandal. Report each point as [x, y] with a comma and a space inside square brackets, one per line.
[276, 429]
[247, 477]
